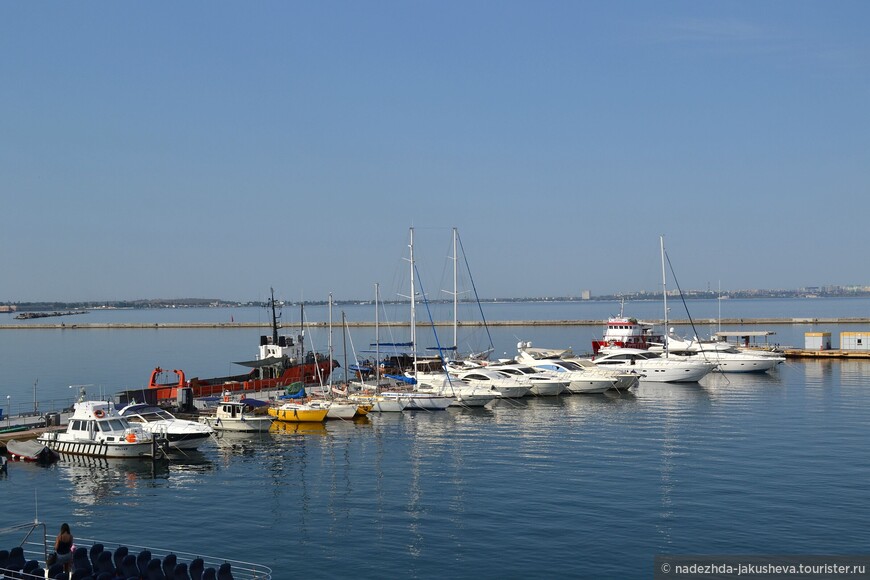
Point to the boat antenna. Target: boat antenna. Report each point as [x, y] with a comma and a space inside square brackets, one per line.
[275, 318]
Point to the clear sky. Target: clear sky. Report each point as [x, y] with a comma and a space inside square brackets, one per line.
[215, 149]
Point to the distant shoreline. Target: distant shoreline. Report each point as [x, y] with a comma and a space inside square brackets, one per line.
[368, 324]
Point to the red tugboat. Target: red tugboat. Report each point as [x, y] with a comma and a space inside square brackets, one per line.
[627, 333]
[281, 361]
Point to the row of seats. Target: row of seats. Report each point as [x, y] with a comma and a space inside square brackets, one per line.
[99, 563]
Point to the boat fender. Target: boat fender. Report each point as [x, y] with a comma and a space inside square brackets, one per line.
[99, 414]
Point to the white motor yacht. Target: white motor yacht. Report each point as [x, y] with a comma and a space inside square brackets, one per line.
[237, 416]
[727, 357]
[96, 429]
[180, 433]
[464, 393]
[582, 376]
[507, 386]
[540, 384]
[654, 367]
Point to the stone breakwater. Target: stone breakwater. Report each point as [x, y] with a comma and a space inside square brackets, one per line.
[492, 323]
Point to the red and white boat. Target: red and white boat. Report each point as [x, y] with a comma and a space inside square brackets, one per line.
[627, 333]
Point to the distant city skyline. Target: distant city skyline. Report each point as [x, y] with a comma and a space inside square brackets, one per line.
[166, 150]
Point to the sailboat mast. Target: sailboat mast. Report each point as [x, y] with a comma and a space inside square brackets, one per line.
[455, 299]
[330, 341]
[377, 339]
[664, 294]
[413, 305]
[344, 347]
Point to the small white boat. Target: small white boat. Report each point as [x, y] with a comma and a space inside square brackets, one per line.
[96, 429]
[238, 416]
[180, 433]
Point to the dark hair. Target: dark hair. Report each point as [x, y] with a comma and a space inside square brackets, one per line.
[64, 528]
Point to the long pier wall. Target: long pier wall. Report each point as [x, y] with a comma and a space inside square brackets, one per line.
[493, 323]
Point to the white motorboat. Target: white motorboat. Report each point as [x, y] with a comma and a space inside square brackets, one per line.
[179, 433]
[237, 416]
[654, 367]
[507, 386]
[464, 394]
[96, 429]
[417, 401]
[728, 358]
[582, 378]
[540, 384]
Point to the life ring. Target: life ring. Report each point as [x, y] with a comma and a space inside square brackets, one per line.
[99, 414]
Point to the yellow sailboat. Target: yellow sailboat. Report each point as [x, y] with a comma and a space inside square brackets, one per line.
[298, 413]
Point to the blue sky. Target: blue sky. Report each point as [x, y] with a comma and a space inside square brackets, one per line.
[215, 149]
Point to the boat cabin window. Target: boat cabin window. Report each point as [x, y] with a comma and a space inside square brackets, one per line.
[555, 368]
[78, 425]
[571, 366]
[477, 377]
[112, 425]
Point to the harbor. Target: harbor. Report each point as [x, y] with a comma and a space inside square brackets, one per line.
[406, 480]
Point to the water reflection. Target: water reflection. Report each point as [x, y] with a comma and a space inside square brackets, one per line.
[93, 480]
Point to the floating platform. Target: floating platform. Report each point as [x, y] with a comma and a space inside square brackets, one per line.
[827, 353]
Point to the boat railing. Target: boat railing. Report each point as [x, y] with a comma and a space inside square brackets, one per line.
[35, 546]
[241, 570]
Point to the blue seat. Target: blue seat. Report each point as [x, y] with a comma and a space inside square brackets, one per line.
[119, 555]
[80, 574]
[104, 563]
[142, 561]
[54, 569]
[209, 574]
[169, 562]
[129, 566]
[80, 561]
[197, 565]
[95, 552]
[181, 572]
[30, 566]
[16, 560]
[4, 556]
[224, 572]
[154, 570]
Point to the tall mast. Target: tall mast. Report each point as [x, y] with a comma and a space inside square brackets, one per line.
[330, 341]
[344, 346]
[665, 294]
[377, 340]
[413, 305]
[455, 300]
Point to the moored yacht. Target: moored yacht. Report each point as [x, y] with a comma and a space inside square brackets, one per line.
[582, 378]
[654, 367]
[96, 429]
[179, 433]
[728, 358]
[540, 384]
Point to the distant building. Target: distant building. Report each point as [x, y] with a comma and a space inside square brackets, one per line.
[4, 308]
[855, 340]
[585, 295]
[817, 340]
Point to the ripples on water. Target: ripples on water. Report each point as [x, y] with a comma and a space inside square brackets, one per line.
[582, 486]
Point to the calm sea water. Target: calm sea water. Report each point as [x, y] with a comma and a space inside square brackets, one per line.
[576, 486]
